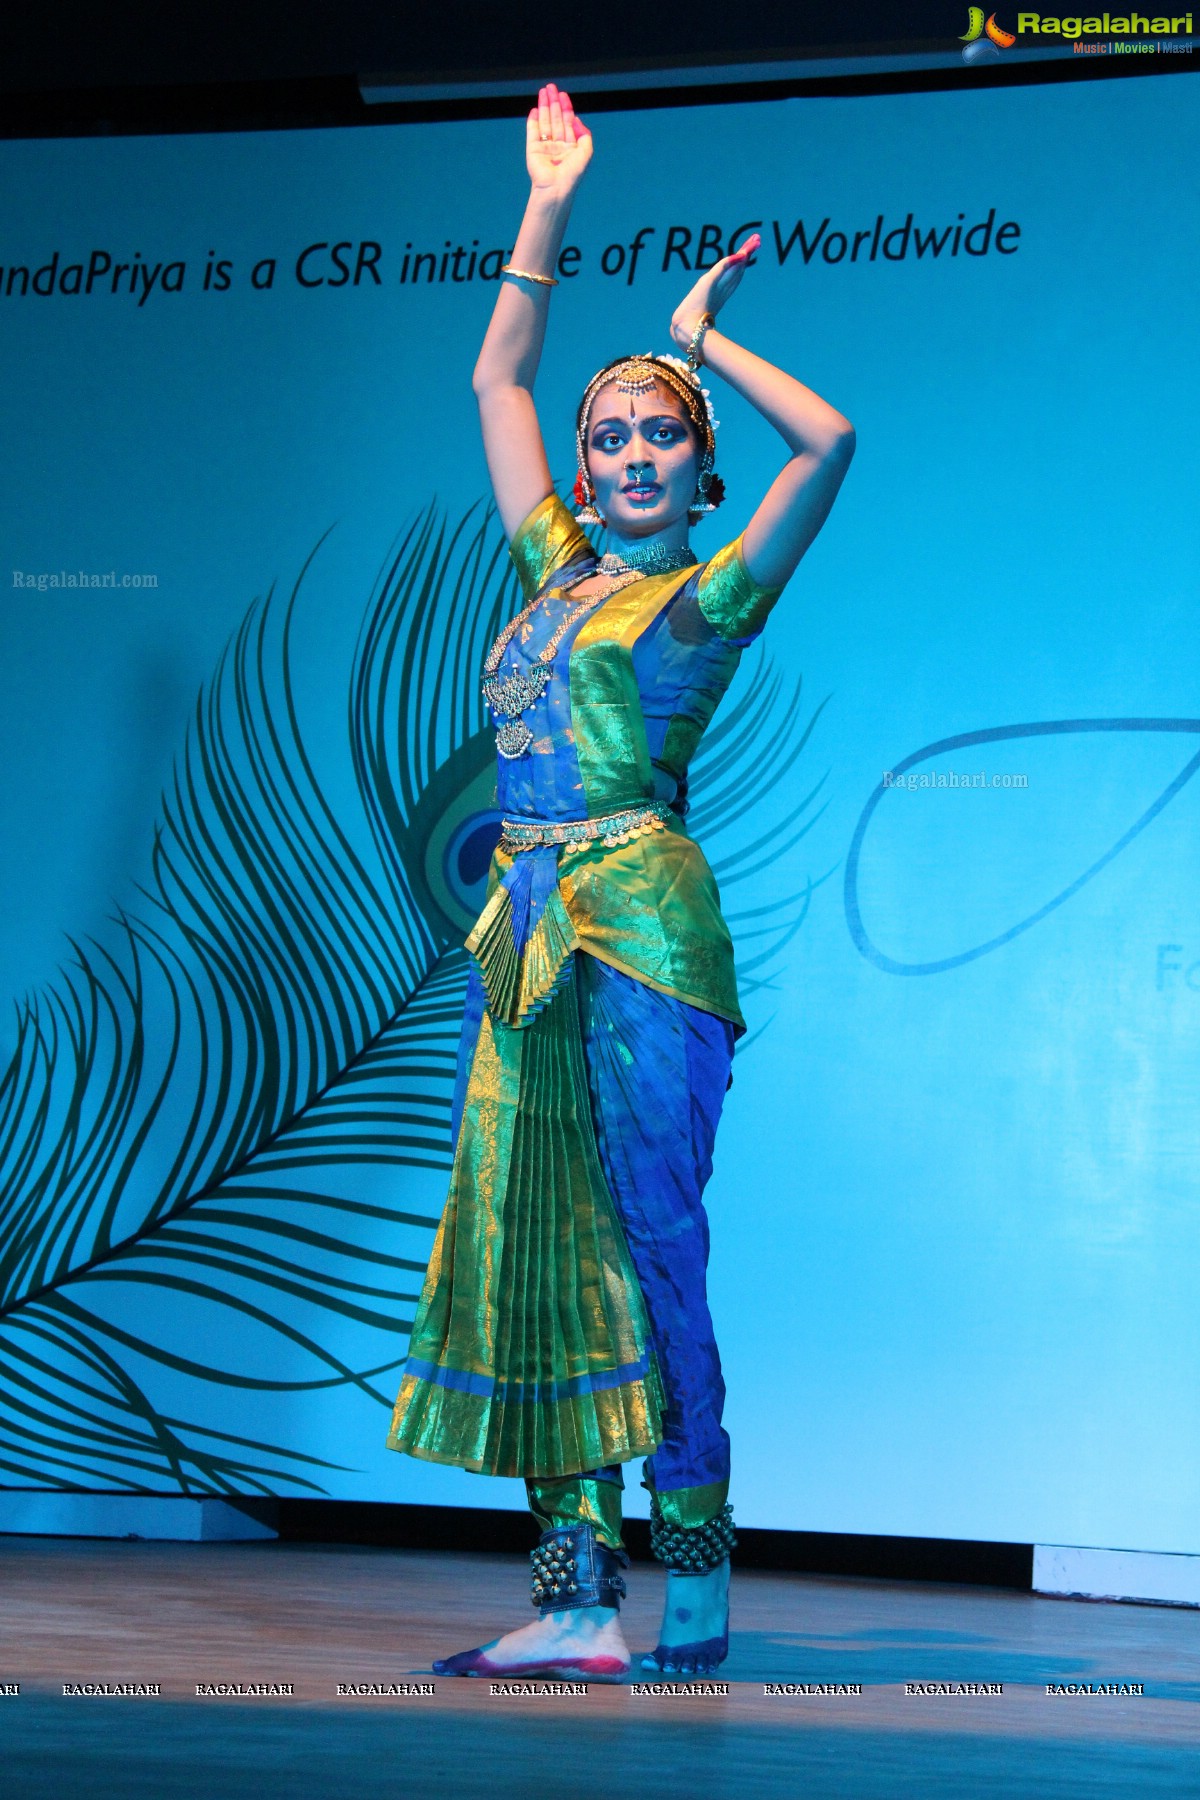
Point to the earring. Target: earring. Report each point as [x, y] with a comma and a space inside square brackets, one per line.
[584, 496]
[710, 491]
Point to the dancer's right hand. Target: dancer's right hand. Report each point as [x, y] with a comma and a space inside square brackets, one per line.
[558, 145]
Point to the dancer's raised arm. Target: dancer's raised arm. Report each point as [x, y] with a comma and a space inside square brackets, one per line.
[820, 439]
[558, 147]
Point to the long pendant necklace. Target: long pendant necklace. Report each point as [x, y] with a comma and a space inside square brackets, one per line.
[513, 693]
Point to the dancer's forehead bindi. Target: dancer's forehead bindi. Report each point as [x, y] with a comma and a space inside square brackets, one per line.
[660, 402]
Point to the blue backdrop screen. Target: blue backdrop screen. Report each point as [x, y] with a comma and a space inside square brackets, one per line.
[248, 582]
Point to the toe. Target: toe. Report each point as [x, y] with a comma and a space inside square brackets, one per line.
[464, 1663]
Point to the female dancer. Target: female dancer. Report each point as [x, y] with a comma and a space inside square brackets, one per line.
[563, 1327]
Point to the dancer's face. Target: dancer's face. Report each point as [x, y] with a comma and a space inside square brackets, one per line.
[643, 459]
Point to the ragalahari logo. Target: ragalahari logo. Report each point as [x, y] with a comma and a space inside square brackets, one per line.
[983, 39]
[1129, 34]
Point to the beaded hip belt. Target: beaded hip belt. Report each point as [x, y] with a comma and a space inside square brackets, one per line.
[614, 828]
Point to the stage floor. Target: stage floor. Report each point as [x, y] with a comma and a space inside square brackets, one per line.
[315, 1617]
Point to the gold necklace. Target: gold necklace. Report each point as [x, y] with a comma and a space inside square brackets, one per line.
[513, 694]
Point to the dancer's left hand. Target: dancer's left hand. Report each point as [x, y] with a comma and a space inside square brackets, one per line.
[713, 289]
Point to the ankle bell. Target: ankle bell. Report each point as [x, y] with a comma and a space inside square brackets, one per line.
[570, 1567]
[692, 1550]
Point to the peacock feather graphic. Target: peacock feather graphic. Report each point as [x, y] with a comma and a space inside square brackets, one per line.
[213, 1124]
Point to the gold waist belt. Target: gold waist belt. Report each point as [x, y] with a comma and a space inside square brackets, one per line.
[613, 828]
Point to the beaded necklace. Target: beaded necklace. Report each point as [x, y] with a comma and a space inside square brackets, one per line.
[513, 693]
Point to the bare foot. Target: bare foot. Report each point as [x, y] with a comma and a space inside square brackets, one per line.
[583, 1643]
[694, 1639]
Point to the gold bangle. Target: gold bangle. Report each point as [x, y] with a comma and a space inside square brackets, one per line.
[703, 325]
[528, 275]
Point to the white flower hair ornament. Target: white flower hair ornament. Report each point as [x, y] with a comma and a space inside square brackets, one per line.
[690, 375]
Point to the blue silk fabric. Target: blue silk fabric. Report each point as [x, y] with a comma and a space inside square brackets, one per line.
[658, 1071]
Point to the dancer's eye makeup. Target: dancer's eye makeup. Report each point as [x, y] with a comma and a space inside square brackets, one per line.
[608, 437]
[610, 434]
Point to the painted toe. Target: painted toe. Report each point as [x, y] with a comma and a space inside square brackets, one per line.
[576, 1668]
[467, 1662]
[688, 1659]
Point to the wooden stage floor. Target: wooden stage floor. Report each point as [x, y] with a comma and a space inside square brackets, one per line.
[320, 1616]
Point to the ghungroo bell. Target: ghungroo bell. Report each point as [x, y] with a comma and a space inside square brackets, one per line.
[692, 1549]
[571, 1567]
